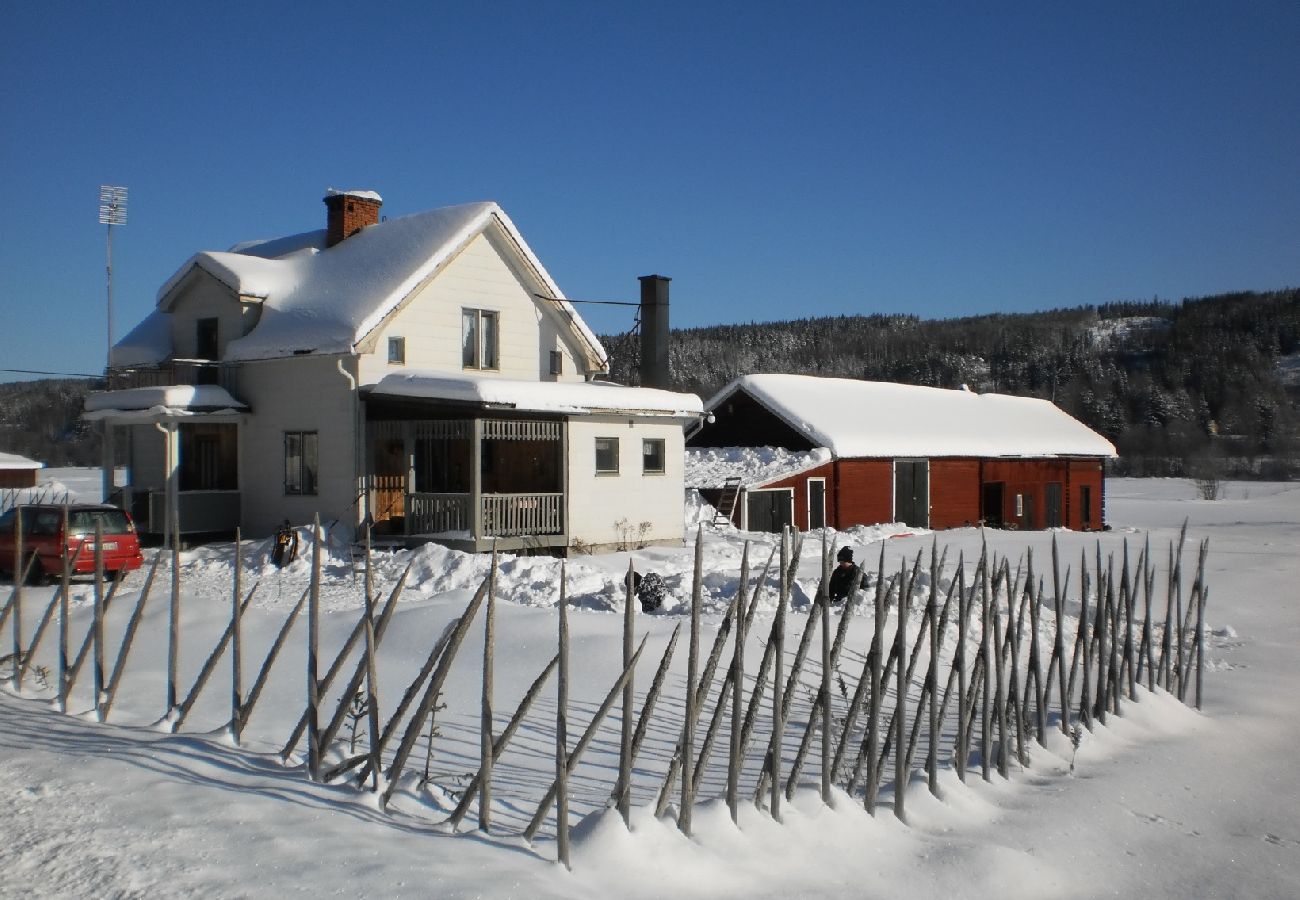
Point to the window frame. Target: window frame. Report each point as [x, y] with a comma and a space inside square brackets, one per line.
[303, 480]
[486, 341]
[614, 448]
[663, 456]
[397, 351]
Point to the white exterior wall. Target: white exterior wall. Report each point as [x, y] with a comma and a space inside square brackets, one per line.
[480, 277]
[304, 393]
[596, 502]
[205, 298]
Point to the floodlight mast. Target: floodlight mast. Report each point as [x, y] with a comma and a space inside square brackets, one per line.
[112, 211]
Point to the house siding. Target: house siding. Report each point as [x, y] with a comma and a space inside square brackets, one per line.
[954, 492]
[597, 502]
[205, 297]
[297, 394]
[480, 277]
[863, 492]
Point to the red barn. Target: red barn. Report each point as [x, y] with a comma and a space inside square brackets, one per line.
[18, 471]
[807, 451]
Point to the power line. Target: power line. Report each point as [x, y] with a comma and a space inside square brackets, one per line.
[65, 374]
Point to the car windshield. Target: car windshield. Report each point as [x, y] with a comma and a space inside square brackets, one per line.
[82, 521]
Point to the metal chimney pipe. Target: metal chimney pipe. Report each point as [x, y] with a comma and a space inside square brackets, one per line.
[654, 331]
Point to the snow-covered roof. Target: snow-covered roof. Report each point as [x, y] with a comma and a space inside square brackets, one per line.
[153, 403]
[881, 419]
[710, 467]
[14, 461]
[315, 301]
[574, 397]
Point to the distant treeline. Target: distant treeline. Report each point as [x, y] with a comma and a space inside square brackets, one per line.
[1206, 386]
[1190, 388]
[42, 421]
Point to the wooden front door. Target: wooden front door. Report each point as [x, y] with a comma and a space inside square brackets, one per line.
[389, 485]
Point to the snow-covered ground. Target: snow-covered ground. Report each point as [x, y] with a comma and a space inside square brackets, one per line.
[1162, 802]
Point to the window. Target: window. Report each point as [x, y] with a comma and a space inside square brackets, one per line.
[557, 362]
[300, 462]
[209, 457]
[652, 456]
[397, 350]
[606, 456]
[205, 339]
[478, 339]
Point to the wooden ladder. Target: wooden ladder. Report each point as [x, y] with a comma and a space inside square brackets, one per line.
[726, 507]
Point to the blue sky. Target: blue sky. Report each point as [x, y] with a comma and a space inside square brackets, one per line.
[777, 162]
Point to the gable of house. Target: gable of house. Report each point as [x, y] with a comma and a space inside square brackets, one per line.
[350, 297]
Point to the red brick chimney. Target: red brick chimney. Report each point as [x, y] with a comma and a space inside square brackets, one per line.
[348, 212]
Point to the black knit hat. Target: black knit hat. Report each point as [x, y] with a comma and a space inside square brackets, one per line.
[845, 554]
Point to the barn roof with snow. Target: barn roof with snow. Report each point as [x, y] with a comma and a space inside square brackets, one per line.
[871, 419]
[13, 461]
[316, 302]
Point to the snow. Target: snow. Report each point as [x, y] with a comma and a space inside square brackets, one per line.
[1162, 802]
[360, 195]
[168, 400]
[710, 467]
[14, 461]
[880, 419]
[539, 396]
[326, 301]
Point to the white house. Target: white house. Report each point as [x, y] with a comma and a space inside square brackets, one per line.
[422, 373]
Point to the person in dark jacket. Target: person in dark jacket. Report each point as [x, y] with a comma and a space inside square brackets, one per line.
[844, 575]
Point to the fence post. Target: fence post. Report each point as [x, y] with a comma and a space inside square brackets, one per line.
[692, 675]
[900, 706]
[236, 646]
[63, 622]
[561, 731]
[873, 716]
[735, 760]
[624, 789]
[98, 623]
[485, 720]
[372, 673]
[778, 686]
[174, 609]
[313, 643]
[17, 601]
[932, 755]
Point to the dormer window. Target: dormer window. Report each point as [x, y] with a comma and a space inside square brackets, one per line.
[479, 335]
[205, 339]
[397, 351]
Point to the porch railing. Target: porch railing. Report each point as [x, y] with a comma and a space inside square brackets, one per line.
[437, 513]
[504, 515]
[509, 515]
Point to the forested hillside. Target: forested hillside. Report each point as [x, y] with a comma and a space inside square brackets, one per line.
[1181, 388]
[42, 420]
[1209, 385]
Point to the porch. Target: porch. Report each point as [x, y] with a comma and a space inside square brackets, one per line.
[468, 483]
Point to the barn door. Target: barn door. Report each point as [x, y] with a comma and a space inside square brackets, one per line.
[991, 500]
[816, 503]
[912, 492]
[1052, 505]
[769, 510]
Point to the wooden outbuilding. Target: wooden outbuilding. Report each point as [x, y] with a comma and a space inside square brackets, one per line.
[809, 451]
[18, 471]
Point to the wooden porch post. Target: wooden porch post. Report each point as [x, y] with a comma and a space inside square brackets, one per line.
[476, 481]
[408, 451]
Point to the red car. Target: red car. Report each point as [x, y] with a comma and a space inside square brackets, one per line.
[43, 538]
